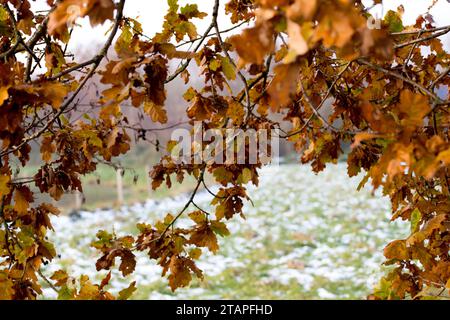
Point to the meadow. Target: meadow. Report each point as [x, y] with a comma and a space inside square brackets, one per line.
[306, 237]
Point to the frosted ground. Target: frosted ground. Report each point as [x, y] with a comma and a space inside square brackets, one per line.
[307, 237]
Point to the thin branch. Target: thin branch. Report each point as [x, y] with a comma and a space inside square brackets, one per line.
[186, 206]
[222, 44]
[47, 281]
[315, 110]
[213, 34]
[210, 192]
[411, 32]
[416, 41]
[441, 76]
[188, 61]
[154, 129]
[330, 89]
[438, 100]
[410, 54]
[73, 68]
[199, 208]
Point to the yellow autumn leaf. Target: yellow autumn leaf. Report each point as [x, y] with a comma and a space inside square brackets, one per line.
[412, 109]
[198, 217]
[220, 228]
[195, 253]
[228, 68]
[4, 185]
[236, 112]
[246, 176]
[222, 175]
[3, 94]
[21, 204]
[6, 287]
[157, 113]
[444, 156]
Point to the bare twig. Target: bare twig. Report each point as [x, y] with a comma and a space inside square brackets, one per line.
[47, 281]
[438, 101]
[330, 89]
[188, 61]
[213, 34]
[423, 31]
[440, 77]
[433, 36]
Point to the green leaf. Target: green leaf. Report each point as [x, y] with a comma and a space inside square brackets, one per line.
[191, 11]
[394, 21]
[416, 217]
[137, 26]
[4, 17]
[281, 25]
[185, 28]
[173, 5]
[65, 293]
[5, 28]
[195, 253]
[214, 65]
[222, 175]
[228, 69]
[123, 43]
[220, 228]
[50, 248]
[383, 290]
[168, 219]
[246, 176]
[125, 294]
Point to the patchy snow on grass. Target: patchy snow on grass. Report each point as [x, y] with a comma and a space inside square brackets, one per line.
[306, 237]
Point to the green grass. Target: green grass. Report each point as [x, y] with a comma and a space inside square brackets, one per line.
[306, 237]
[100, 189]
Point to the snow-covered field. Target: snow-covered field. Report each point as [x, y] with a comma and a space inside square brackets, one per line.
[307, 237]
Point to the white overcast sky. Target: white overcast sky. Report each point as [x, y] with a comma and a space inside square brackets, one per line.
[151, 15]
